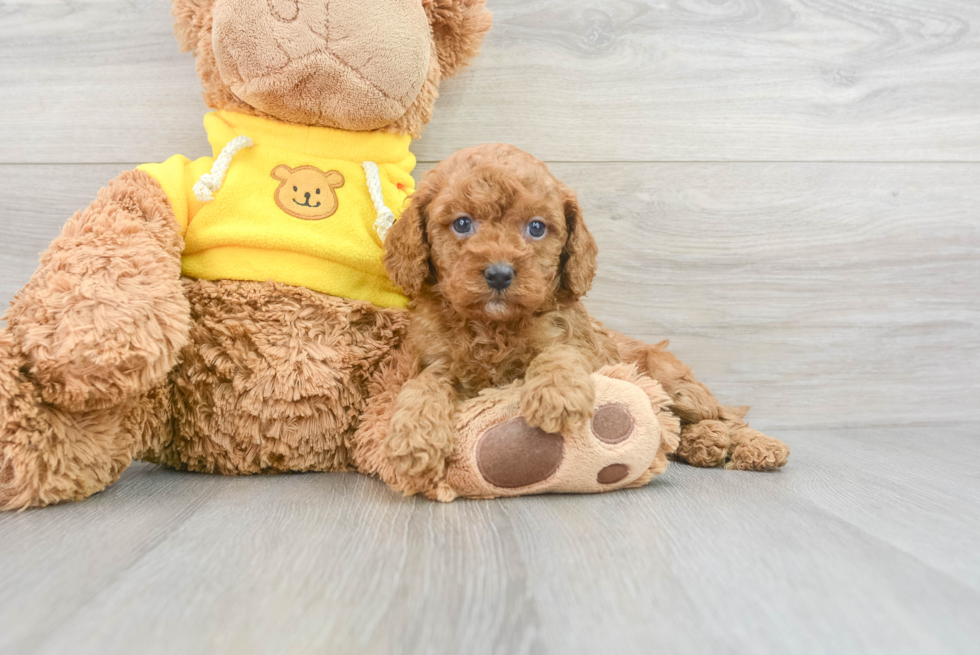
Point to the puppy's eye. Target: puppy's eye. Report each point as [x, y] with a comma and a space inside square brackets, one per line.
[317, 192]
[463, 226]
[537, 229]
[295, 189]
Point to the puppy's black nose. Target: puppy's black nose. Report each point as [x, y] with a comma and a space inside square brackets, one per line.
[499, 276]
[307, 194]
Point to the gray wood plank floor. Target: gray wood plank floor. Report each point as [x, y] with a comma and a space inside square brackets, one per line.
[853, 548]
[785, 188]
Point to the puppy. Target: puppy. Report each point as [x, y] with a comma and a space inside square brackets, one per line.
[495, 255]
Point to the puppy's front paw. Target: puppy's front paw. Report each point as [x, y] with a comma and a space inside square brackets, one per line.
[418, 447]
[558, 405]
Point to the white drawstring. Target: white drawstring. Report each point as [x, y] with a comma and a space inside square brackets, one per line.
[209, 183]
[386, 218]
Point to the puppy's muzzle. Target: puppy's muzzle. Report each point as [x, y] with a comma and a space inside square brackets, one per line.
[499, 275]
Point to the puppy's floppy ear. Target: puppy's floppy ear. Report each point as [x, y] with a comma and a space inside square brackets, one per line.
[406, 244]
[458, 28]
[189, 17]
[578, 259]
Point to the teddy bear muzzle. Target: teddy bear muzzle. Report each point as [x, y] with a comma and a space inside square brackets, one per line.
[345, 64]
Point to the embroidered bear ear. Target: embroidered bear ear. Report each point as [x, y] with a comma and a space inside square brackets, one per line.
[335, 179]
[282, 173]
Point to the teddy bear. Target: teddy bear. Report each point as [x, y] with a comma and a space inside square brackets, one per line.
[232, 314]
[226, 314]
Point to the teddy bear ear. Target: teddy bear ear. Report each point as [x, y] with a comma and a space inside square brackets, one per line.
[281, 172]
[458, 28]
[189, 17]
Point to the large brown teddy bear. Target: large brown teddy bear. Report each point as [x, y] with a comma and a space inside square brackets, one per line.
[232, 314]
[111, 353]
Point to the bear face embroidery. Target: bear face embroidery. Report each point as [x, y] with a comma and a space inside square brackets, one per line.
[306, 192]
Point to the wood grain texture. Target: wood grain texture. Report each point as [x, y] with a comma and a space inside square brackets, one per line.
[832, 295]
[832, 554]
[102, 81]
[833, 284]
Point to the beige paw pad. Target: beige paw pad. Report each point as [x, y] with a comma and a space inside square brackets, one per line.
[513, 454]
[498, 454]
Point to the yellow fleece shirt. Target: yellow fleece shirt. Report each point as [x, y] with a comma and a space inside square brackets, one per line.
[294, 206]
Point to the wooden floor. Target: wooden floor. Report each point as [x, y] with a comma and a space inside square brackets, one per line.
[868, 543]
[788, 189]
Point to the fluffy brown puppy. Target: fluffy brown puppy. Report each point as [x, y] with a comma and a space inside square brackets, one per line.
[495, 254]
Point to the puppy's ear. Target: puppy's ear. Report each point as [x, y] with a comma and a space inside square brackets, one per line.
[406, 244]
[189, 17]
[578, 259]
[458, 28]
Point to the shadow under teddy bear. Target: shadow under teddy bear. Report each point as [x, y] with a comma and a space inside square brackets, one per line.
[187, 318]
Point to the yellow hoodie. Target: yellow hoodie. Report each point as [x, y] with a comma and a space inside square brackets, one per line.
[290, 203]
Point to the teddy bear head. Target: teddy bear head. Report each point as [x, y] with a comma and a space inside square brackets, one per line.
[347, 64]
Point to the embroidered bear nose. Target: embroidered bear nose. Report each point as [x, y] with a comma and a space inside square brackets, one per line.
[499, 276]
[307, 194]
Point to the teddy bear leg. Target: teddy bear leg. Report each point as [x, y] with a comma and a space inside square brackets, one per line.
[711, 434]
[624, 444]
[50, 454]
[104, 316]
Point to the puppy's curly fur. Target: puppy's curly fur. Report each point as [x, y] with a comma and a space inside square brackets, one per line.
[467, 335]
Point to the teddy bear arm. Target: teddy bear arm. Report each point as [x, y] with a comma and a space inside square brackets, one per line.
[50, 455]
[104, 316]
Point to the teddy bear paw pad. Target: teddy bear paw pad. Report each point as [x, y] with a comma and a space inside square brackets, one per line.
[612, 423]
[513, 454]
[612, 474]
